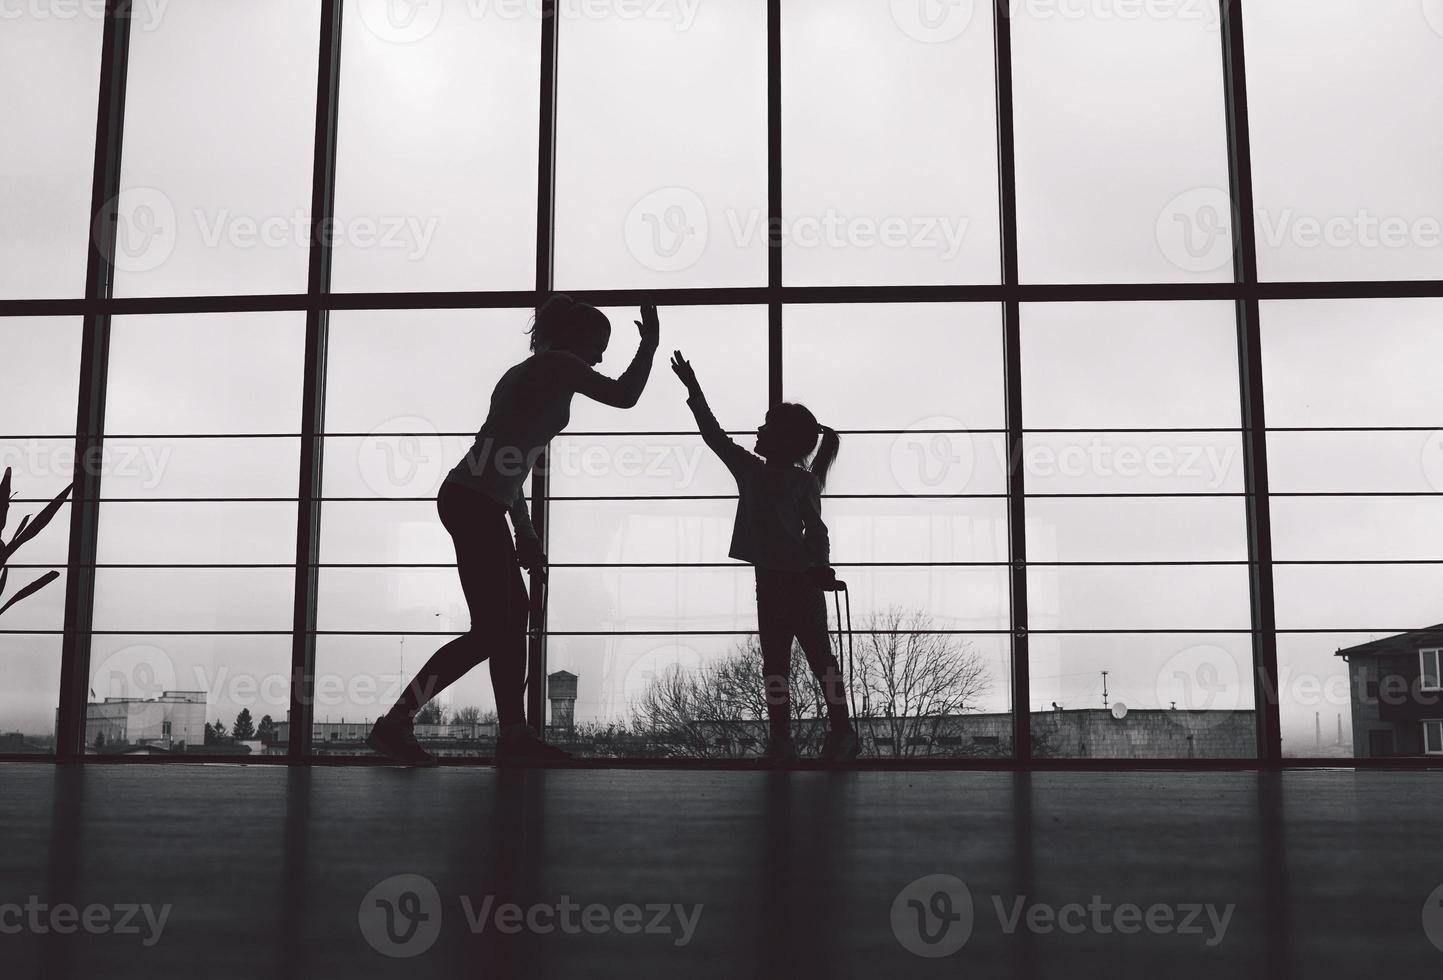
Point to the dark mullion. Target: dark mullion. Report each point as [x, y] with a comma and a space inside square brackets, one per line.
[1012, 356]
[90, 407]
[545, 283]
[1250, 377]
[313, 403]
[775, 390]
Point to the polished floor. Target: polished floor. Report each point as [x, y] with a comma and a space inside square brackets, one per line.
[222, 871]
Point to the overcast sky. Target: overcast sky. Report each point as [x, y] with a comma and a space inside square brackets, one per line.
[889, 178]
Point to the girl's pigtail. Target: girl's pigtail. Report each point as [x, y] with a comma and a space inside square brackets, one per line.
[826, 454]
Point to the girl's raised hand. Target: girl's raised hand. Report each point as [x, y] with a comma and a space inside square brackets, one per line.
[682, 368]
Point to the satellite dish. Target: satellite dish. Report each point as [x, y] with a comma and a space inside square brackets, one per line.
[1119, 711]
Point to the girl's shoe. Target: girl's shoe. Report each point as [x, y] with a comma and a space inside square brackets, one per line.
[781, 753]
[519, 745]
[841, 747]
[396, 740]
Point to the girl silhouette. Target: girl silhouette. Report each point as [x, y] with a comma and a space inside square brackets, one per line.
[530, 406]
[779, 530]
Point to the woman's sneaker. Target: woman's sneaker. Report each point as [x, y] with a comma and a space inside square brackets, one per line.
[519, 745]
[840, 747]
[781, 753]
[396, 740]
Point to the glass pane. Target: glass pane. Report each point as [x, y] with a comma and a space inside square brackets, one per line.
[1188, 597]
[642, 600]
[1357, 597]
[1358, 529]
[662, 146]
[1122, 169]
[384, 532]
[38, 397]
[909, 107]
[920, 462]
[29, 698]
[1349, 694]
[384, 600]
[436, 153]
[42, 467]
[862, 531]
[727, 345]
[1369, 206]
[421, 371]
[1133, 462]
[1118, 365]
[1143, 696]
[43, 610]
[159, 693]
[161, 468]
[631, 465]
[1163, 529]
[409, 463]
[197, 533]
[701, 697]
[216, 179]
[1352, 362]
[206, 374]
[50, 72]
[923, 366]
[359, 677]
[136, 600]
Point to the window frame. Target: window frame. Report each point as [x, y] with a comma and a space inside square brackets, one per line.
[99, 305]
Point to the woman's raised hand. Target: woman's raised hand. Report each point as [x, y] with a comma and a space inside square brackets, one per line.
[649, 325]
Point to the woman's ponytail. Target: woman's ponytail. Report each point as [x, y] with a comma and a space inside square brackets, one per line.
[826, 454]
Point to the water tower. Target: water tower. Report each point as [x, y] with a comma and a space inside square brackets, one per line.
[561, 690]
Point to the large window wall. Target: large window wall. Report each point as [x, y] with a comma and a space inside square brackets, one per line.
[1121, 476]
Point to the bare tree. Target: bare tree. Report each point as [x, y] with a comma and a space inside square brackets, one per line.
[910, 682]
[907, 686]
[719, 711]
[472, 715]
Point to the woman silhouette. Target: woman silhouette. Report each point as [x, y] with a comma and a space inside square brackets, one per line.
[530, 406]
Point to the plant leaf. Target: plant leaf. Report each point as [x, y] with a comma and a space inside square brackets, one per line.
[30, 589]
[4, 574]
[6, 549]
[29, 531]
[4, 498]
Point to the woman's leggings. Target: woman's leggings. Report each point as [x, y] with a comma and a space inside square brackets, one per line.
[497, 600]
[790, 607]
